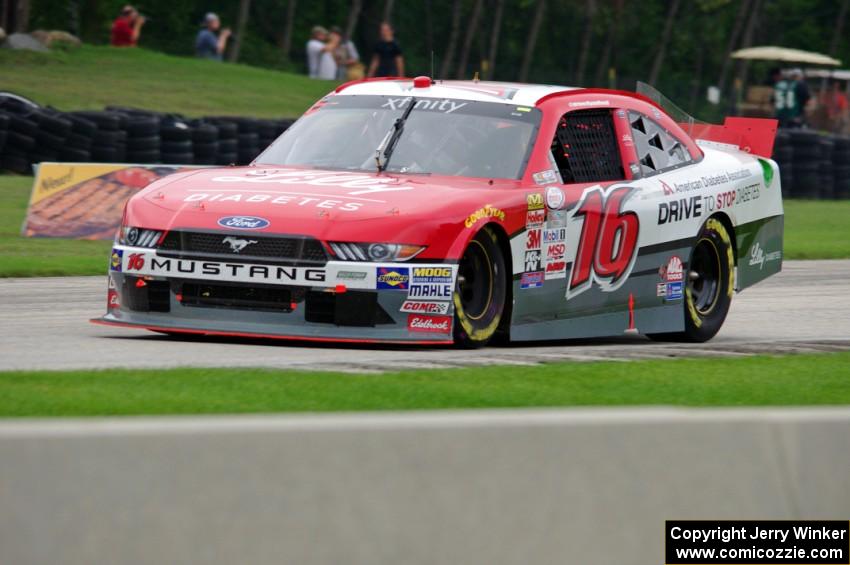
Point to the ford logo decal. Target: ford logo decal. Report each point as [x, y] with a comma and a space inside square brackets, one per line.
[243, 222]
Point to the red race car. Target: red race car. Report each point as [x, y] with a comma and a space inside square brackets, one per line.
[456, 211]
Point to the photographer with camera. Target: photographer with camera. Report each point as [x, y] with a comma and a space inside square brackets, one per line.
[127, 27]
[208, 45]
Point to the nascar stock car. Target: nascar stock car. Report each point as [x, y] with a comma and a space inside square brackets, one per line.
[426, 211]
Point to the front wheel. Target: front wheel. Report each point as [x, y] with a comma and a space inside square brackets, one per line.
[480, 292]
[710, 282]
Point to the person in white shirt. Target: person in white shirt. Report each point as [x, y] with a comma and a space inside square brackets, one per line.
[320, 60]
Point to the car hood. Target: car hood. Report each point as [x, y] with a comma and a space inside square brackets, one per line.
[320, 203]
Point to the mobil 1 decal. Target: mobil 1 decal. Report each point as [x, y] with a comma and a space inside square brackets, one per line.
[607, 247]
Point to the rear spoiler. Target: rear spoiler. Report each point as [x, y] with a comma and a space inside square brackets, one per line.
[752, 135]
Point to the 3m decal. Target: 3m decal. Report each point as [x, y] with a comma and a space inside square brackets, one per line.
[419, 307]
[531, 280]
[393, 278]
[116, 260]
[533, 239]
[482, 213]
[607, 247]
[429, 324]
[534, 201]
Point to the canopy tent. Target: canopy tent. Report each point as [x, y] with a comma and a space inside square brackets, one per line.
[784, 54]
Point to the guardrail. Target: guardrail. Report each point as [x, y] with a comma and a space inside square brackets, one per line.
[579, 486]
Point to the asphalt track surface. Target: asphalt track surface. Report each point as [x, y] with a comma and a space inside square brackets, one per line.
[44, 324]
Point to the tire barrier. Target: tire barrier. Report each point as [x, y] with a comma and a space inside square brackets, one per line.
[813, 165]
[31, 134]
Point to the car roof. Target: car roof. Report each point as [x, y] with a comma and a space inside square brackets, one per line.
[483, 91]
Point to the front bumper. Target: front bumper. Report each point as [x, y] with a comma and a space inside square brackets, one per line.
[341, 301]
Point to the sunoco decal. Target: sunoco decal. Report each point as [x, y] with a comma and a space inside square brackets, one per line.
[393, 278]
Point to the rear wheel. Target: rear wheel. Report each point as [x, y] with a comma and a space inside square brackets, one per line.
[710, 282]
[480, 292]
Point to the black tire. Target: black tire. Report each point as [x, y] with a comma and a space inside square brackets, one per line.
[178, 158]
[22, 125]
[176, 147]
[81, 126]
[15, 163]
[143, 157]
[19, 142]
[50, 140]
[226, 158]
[103, 120]
[102, 154]
[481, 291]
[2, 140]
[709, 285]
[206, 160]
[53, 124]
[71, 155]
[227, 146]
[79, 141]
[105, 138]
[143, 143]
[142, 127]
[206, 149]
[204, 133]
[177, 131]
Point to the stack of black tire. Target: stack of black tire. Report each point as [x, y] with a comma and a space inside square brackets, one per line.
[806, 163]
[783, 155]
[30, 134]
[841, 167]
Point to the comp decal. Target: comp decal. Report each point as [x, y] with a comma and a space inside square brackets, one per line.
[607, 247]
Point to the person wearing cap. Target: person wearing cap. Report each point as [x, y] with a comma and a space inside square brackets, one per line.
[127, 28]
[208, 45]
[320, 54]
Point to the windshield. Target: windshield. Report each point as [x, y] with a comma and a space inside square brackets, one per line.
[441, 136]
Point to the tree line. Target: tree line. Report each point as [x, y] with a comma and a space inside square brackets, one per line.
[681, 46]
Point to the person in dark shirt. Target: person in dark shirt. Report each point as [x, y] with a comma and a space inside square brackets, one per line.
[126, 28]
[387, 60]
[208, 45]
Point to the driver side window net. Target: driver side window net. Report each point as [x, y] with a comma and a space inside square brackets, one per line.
[657, 150]
[585, 147]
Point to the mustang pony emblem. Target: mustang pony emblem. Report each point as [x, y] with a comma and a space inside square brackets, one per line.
[236, 244]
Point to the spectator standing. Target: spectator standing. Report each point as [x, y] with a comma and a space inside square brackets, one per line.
[834, 102]
[790, 97]
[387, 60]
[208, 45]
[347, 58]
[127, 28]
[320, 49]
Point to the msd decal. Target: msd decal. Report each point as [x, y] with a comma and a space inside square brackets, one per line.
[429, 324]
[607, 247]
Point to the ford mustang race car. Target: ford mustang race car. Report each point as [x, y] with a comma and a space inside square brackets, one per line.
[421, 211]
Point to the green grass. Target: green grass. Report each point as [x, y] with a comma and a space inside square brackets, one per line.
[38, 257]
[93, 77]
[813, 230]
[751, 381]
[817, 229]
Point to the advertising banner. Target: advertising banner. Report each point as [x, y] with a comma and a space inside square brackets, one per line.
[85, 200]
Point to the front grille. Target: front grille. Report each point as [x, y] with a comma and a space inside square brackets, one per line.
[238, 297]
[139, 295]
[241, 247]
